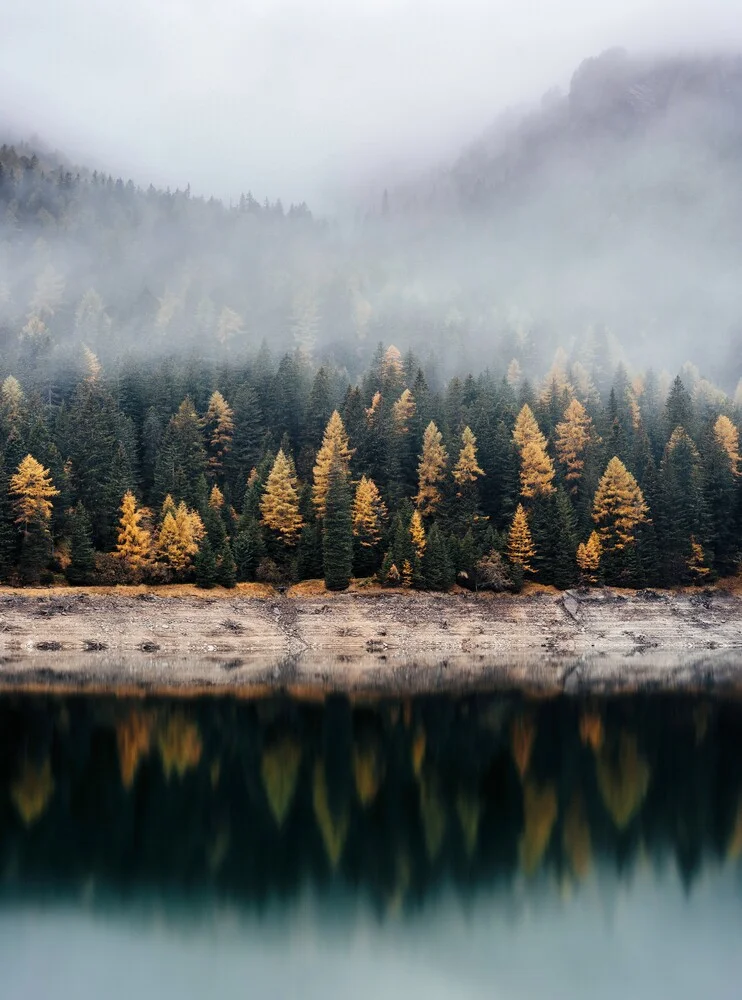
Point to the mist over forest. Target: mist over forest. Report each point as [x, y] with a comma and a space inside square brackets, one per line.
[604, 222]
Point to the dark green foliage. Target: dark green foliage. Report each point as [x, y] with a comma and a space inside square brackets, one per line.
[437, 569]
[205, 565]
[226, 567]
[82, 555]
[337, 542]
[248, 549]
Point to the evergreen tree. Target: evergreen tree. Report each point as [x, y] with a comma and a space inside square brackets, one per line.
[279, 504]
[248, 548]
[82, 555]
[337, 530]
[219, 428]
[335, 449]
[619, 510]
[436, 564]
[226, 567]
[430, 471]
[520, 543]
[205, 566]
[32, 491]
[573, 437]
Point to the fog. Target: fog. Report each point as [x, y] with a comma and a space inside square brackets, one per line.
[303, 101]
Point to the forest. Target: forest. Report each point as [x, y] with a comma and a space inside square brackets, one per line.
[276, 470]
[254, 800]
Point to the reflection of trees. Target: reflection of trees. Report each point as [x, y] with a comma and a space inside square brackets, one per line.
[623, 779]
[32, 790]
[179, 743]
[400, 794]
[522, 735]
[539, 817]
[333, 826]
[134, 738]
[279, 768]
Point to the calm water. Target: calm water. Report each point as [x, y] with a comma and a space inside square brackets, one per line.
[481, 846]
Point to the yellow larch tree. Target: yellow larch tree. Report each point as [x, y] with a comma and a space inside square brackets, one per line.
[467, 469]
[334, 449]
[216, 498]
[374, 409]
[32, 490]
[727, 437]
[514, 373]
[417, 534]
[391, 366]
[618, 507]
[134, 545]
[369, 513]
[697, 567]
[180, 745]
[430, 471]
[536, 471]
[179, 538]
[279, 504]
[32, 790]
[588, 557]
[403, 411]
[520, 544]
[623, 778]
[219, 424]
[526, 429]
[279, 769]
[572, 438]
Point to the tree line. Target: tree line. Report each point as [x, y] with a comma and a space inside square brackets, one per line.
[185, 471]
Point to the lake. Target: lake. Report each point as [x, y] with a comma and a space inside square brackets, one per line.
[481, 845]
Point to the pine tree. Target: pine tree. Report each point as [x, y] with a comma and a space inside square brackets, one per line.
[437, 569]
[182, 460]
[219, 427]
[520, 544]
[618, 508]
[32, 490]
[337, 537]
[248, 549]
[334, 449]
[205, 566]
[279, 504]
[588, 557]
[573, 437]
[134, 546]
[682, 514]
[8, 534]
[430, 471]
[82, 556]
[226, 567]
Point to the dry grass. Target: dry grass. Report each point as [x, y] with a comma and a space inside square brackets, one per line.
[263, 590]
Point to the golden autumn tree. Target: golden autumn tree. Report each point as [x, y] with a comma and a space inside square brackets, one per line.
[32, 790]
[32, 490]
[430, 471]
[526, 429]
[216, 498]
[219, 426]
[572, 438]
[333, 823]
[540, 812]
[618, 507]
[391, 366]
[369, 513]
[467, 469]
[279, 504]
[520, 544]
[279, 769]
[417, 534]
[178, 540]
[727, 437]
[334, 449]
[536, 471]
[134, 545]
[623, 778]
[179, 743]
[403, 411]
[588, 557]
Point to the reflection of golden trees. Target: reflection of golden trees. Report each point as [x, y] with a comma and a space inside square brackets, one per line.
[180, 746]
[522, 738]
[433, 815]
[576, 837]
[701, 715]
[279, 768]
[334, 829]
[134, 738]
[539, 815]
[623, 779]
[368, 770]
[469, 810]
[591, 730]
[734, 848]
[418, 751]
[32, 790]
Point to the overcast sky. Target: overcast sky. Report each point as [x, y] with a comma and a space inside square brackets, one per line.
[294, 98]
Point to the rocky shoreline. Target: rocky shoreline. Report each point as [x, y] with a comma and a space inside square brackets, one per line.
[391, 641]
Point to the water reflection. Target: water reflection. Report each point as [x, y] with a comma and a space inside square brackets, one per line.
[251, 801]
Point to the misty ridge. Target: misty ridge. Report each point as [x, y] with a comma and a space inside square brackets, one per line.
[605, 223]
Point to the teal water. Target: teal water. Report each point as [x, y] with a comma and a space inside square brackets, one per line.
[477, 846]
